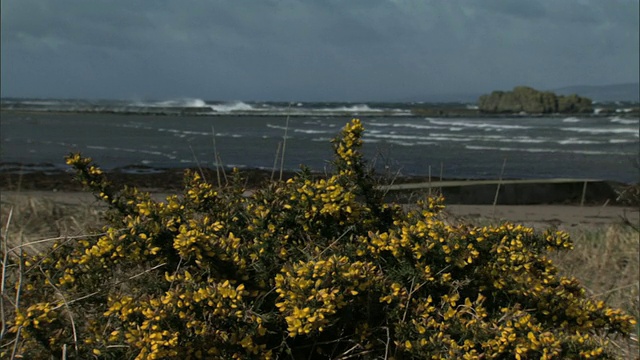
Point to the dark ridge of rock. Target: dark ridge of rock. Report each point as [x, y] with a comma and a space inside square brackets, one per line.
[529, 100]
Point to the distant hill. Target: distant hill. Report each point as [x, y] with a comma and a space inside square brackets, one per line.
[604, 93]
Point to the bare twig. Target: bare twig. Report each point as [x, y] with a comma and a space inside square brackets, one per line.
[441, 177]
[66, 305]
[224, 173]
[54, 239]
[393, 180]
[350, 228]
[284, 142]
[356, 355]
[195, 158]
[16, 342]
[5, 259]
[615, 289]
[20, 278]
[175, 272]
[275, 160]
[66, 241]
[429, 181]
[386, 346]
[76, 300]
[495, 199]
[142, 273]
[584, 194]
[215, 156]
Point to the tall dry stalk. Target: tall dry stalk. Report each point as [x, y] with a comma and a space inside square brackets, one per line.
[215, 156]
[3, 281]
[284, 142]
[275, 161]
[495, 199]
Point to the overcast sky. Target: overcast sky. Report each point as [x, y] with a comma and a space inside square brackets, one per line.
[312, 50]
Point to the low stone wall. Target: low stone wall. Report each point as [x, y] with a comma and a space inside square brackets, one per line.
[595, 193]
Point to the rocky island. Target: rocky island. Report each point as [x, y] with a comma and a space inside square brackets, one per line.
[532, 101]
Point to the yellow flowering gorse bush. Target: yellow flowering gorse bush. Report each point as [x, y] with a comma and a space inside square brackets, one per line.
[307, 268]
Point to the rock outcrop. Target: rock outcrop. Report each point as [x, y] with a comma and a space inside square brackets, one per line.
[529, 100]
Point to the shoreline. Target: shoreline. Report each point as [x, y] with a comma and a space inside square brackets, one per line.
[403, 189]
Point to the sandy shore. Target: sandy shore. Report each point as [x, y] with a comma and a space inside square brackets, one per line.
[539, 216]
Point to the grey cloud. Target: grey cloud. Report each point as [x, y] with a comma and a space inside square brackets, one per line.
[519, 9]
[329, 49]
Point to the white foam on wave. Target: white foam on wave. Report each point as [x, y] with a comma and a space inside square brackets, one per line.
[523, 140]
[129, 150]
[625, 121]
[354, 108]
[311, 131]
[360, 109]
[479, 125]
[430, 138]
[576, 141]
[477, 147]
[376, 124]
[133, 126]
[321, 139]
[417, 126]
[401, 143]
[186, 102]
[279, 127]
[395, 137]
[622, 141]
[233, 106]
[571, 120]
[543, 150]
[42, 102]
[185, 132]
[487, 138]
[596, 131]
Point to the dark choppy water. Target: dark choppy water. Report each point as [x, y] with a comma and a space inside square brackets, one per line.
[536, 147]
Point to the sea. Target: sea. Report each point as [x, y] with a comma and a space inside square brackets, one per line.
[150, 136]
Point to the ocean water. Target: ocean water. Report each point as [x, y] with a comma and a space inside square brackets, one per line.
[183, 134]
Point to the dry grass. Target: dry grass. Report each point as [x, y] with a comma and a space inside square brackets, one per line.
[36, 223]
[605, 259]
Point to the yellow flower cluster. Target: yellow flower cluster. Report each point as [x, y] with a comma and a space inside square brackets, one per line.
[347, 147]
[36, 316]
[311, 292]
[308, 268]
[327, 198]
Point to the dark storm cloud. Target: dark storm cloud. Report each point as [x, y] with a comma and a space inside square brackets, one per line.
[288, 49]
